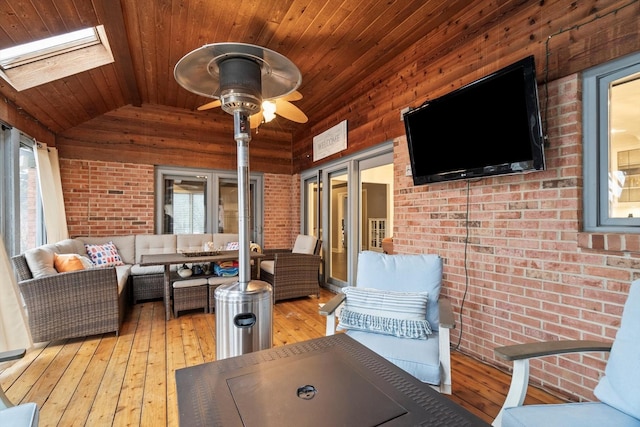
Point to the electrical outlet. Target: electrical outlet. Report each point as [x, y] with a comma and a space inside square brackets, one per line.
[407, 170]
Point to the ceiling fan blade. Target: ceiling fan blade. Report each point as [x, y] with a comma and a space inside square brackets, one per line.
[293, 96]
[255, 120]
[290, 111]
[212, 104]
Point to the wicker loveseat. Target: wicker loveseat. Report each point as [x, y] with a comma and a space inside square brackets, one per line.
[92, 301]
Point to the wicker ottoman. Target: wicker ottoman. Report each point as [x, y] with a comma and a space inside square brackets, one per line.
[214, 282]
[189, 294]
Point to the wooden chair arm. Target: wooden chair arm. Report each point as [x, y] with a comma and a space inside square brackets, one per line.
[549, 348]
[446, 314]
[6, 356]
[330, 306]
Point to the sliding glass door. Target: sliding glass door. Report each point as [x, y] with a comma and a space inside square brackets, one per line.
[338, 241]
[356, 212]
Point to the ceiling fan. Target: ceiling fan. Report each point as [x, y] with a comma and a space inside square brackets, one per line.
[270, 107]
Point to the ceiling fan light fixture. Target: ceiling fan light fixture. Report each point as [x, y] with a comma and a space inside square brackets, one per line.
[268, 111]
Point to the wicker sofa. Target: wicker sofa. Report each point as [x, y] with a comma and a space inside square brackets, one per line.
[93, 301]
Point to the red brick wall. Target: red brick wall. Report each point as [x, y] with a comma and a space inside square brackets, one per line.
[281, 210]
[531, 273]
[107, 198]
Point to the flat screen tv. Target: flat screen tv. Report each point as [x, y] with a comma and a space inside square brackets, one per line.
[488, 127]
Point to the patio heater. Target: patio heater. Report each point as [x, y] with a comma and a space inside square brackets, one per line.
[240, 76]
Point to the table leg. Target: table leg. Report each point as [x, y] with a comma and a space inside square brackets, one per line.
[167, 293]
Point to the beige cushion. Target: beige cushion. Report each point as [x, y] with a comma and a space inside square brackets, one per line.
[122, 274]
[267, 266]
[216, 280]
[137, 269]
[220, 240]
[70, 246]
[40, 260]
[151, 244]
[192, 242]
[189, 283]
[304, 245]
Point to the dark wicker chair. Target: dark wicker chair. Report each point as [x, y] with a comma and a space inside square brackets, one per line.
[70, 305]
[294, 274]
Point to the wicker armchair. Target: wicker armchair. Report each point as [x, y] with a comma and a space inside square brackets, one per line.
[293, 274]
[73, 304]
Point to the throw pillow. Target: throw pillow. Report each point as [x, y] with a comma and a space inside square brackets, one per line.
[67, 262]
[232, 246]
[401, 314]
[105, 255]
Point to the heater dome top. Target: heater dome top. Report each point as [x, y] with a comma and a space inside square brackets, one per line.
[199, 70]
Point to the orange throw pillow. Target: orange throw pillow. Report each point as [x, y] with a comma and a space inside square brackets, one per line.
[67, 262]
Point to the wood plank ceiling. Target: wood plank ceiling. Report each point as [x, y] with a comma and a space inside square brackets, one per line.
[334, 43]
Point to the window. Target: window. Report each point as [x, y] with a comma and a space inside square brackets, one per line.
[31, 64]
[22, 222]
[205, 201]
[611, 129]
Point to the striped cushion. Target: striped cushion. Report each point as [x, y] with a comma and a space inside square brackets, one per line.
[401, 314]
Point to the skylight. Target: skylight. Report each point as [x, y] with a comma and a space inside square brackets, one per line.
[41, 61]
[40, 49]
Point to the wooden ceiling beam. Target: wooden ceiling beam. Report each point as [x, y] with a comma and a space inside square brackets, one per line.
[111, 17]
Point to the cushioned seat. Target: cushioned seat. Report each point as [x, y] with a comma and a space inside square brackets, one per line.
[190, 294]
[426, 367]
[568, 414]
[26, 415]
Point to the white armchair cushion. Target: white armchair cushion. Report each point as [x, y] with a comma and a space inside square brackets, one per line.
[420, 358]
[401, 314]
[585, 414]
[304, 245]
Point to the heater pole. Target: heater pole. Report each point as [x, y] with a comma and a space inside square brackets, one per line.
[242, 135]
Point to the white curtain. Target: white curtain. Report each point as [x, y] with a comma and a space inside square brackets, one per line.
[14, 332]
[55, 217]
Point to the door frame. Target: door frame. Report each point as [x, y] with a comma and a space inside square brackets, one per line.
[352, 165]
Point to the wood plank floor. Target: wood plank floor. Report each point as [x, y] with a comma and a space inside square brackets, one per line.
[129, 380]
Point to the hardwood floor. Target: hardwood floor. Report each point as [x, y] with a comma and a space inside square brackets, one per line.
[129, 380]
